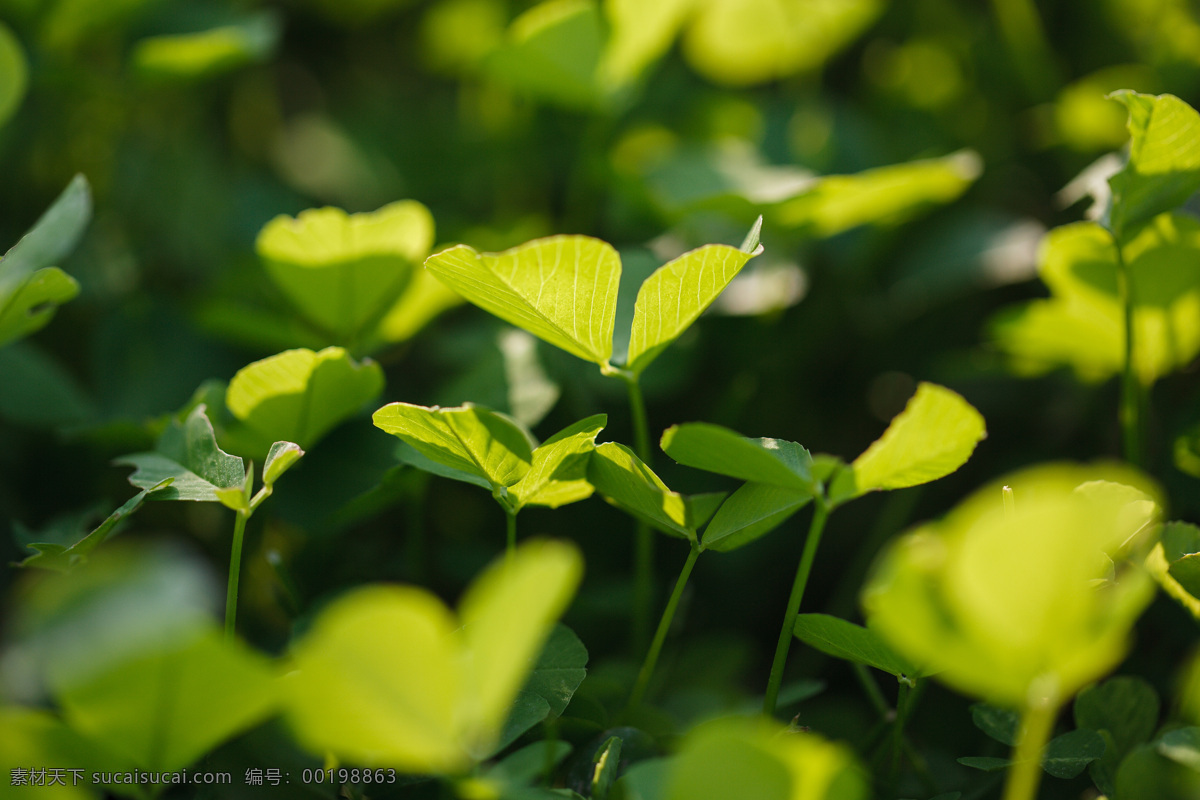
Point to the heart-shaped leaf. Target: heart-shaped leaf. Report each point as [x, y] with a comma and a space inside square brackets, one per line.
[562, 289]
[388, 676]
[345, 271]
[676, 294]
[31, 287]
[845, 640]
[726, 452]
[188, 453]
[558, 471]
[750, 513]
[299, 396]
[934, 435]
[1164, 159]
[470, 440]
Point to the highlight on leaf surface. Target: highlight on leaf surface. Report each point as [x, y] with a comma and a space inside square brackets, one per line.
[299, 396]
[187, 453]
[388, 676]
[1021, 607]
[730, 758]
[345, 272]
[932, 437]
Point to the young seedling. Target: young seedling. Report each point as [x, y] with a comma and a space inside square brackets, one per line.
[187, 453]
[934, 435]
[563, 289]
[489, 449]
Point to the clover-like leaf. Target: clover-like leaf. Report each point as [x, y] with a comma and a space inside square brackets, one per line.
[188, 453]
[750, 513]
[299, 396]
[345, 271]
[716, 449]
[626, 482]
[31, 287]
[388, 676]
[62, 557]
[474, 443]
[842, 639]
[558, 469]
[933, 436]
[1164, 159]
[562, 289]
[676, 294]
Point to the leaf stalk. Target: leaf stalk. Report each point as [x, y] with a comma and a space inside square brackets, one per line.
[660, 635]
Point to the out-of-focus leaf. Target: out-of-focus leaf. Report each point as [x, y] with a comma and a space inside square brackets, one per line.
[299, 396]
[1001, 724]
[1164, 159]
[190, 56]
[558, 471]
[188, 453]
[35, 390]
[425, 298]
[562, 289]
[31, 288]
[845, 640]
[14, 73]
[1068, 755]
[1182, 746]
[639, 33]
[606, 763]
[30, 736]
[345, 272]
[1174, 564]
[1147, 774]
[726, 452]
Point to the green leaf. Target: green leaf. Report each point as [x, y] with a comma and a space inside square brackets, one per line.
[237, 498]
[621, 477]
[203, 54]
[470, 439]
[280, 458]
[1126, 706]
[750, 243]
[1182, 746]
[1186, 571]
[676, 294]
[1001, 724]
[14, 74]
[845, 640]
[881, 196]
[31, 287]
[606, 763]
[189, 454]
[552, 52]
[528, 709]
[562, 289]
[299, 396]
[560, 669]
[346, 271]
[58, 556]
[751, 512]
[985, 763]
[36, 390]
[639, 33]
[558, 470]
[1164, 159]
[934, 435]
[1147, 774]
[529, 763]
[1067, 756]
[30, 736]
[726, 452]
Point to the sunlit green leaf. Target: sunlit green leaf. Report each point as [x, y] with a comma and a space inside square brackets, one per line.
[845, 640]
[31, 287]
[623, 480]
[469, 439]
[677, 293]
[14, 73]
[751, 512]
[388, 676]
[209, 52]
[716, 449]
[299, 396]
[1164, 159]
[881, 196]
[280, 458]
[167, 708]
[189, 454]
[61, 556]
[343, 271]
[639, 33]
[934, 435]
[424, 299]
[562, 289]
[558, 470]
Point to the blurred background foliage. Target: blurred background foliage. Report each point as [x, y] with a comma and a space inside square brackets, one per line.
[907, 157]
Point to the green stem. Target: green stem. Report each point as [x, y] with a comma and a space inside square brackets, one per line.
[1130, 411]
[820, 513]
[235, 569]
[1037, 722]
[643, 554]
[871, 687]
[660, 636]
[903, 705]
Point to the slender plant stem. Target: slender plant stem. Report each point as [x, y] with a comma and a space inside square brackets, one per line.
[643, 554]
[903, 705]
[235, 570]
[874, 693]
[1131, 391]
[820, 513]
[660, 636]
[1036, 724]
[511, 547]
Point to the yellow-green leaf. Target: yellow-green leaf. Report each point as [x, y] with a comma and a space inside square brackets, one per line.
[562, 289]
[205, 53]
[558, 469]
